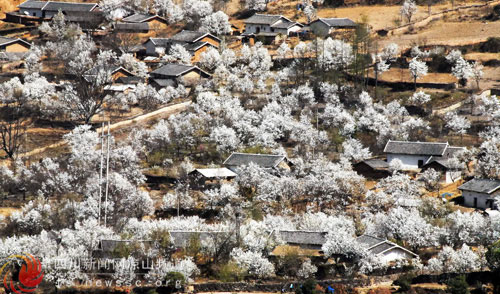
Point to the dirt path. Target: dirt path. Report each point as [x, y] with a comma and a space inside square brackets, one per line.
[448, 109]
[162, 112]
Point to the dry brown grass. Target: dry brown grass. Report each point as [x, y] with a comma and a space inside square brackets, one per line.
[377, 16]
[7, 211]
[8, 5]
[447, 33]
[403, 75]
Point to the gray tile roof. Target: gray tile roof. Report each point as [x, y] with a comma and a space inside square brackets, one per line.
[376, 163]
[173, 70]
[369, 241]
[110, 245]
[285, 24]
[32, 4]
[487, 186]
[139, 17]
[452, 150]
[415, 148]
[441, 162]
[378, 245]
[262, 160]
[129, 80]
[69, 6]
[381, 248]
[338, 22]
[190, 36]
[161, 42]
[5, 41]
[111, 68]
[265, 34]
[303, 237]
[165, 82]
[268, 19]
[195, 46]
[131, 26]
[94, 18]
[181, 239]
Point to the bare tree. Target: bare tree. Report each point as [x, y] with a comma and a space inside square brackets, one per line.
[12, 128]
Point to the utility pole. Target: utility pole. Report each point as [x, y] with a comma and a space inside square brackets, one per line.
[100, 175]
[107, 179]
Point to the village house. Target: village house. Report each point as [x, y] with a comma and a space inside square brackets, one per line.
[326, 26]
[309, 243]
[385, 250]
[182, 239]
[171, 74]
[195, 49]
[88, 20]
[107, 248]
[266, 161]
[202, 177]
[194, 42]
[192, 37]
[47, 9]
[116, 73]
[449, 173]
[141, 23]
[304, 243]
[13, 45]
[373, 168]
[270, 25]
[235, 31]
[480, 193]
[415, 155]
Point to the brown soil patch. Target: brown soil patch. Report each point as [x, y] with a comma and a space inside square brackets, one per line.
[479, 56]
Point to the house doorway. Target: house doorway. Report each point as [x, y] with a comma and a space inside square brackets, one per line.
[420, 163]
[475, 202]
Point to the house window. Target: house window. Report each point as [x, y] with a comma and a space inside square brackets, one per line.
[420, 163]
[272, 29]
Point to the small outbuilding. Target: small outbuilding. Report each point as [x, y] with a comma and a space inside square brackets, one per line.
[141, 23]
[194, 48]
[266, 161]
[373, 168]
[270, 25]
[202, 177]
[171, 73]
[480, 193]
[387, 251]
[326, 26]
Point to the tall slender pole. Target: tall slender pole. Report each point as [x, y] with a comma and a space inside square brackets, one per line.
[100, 174]
[107, 179]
